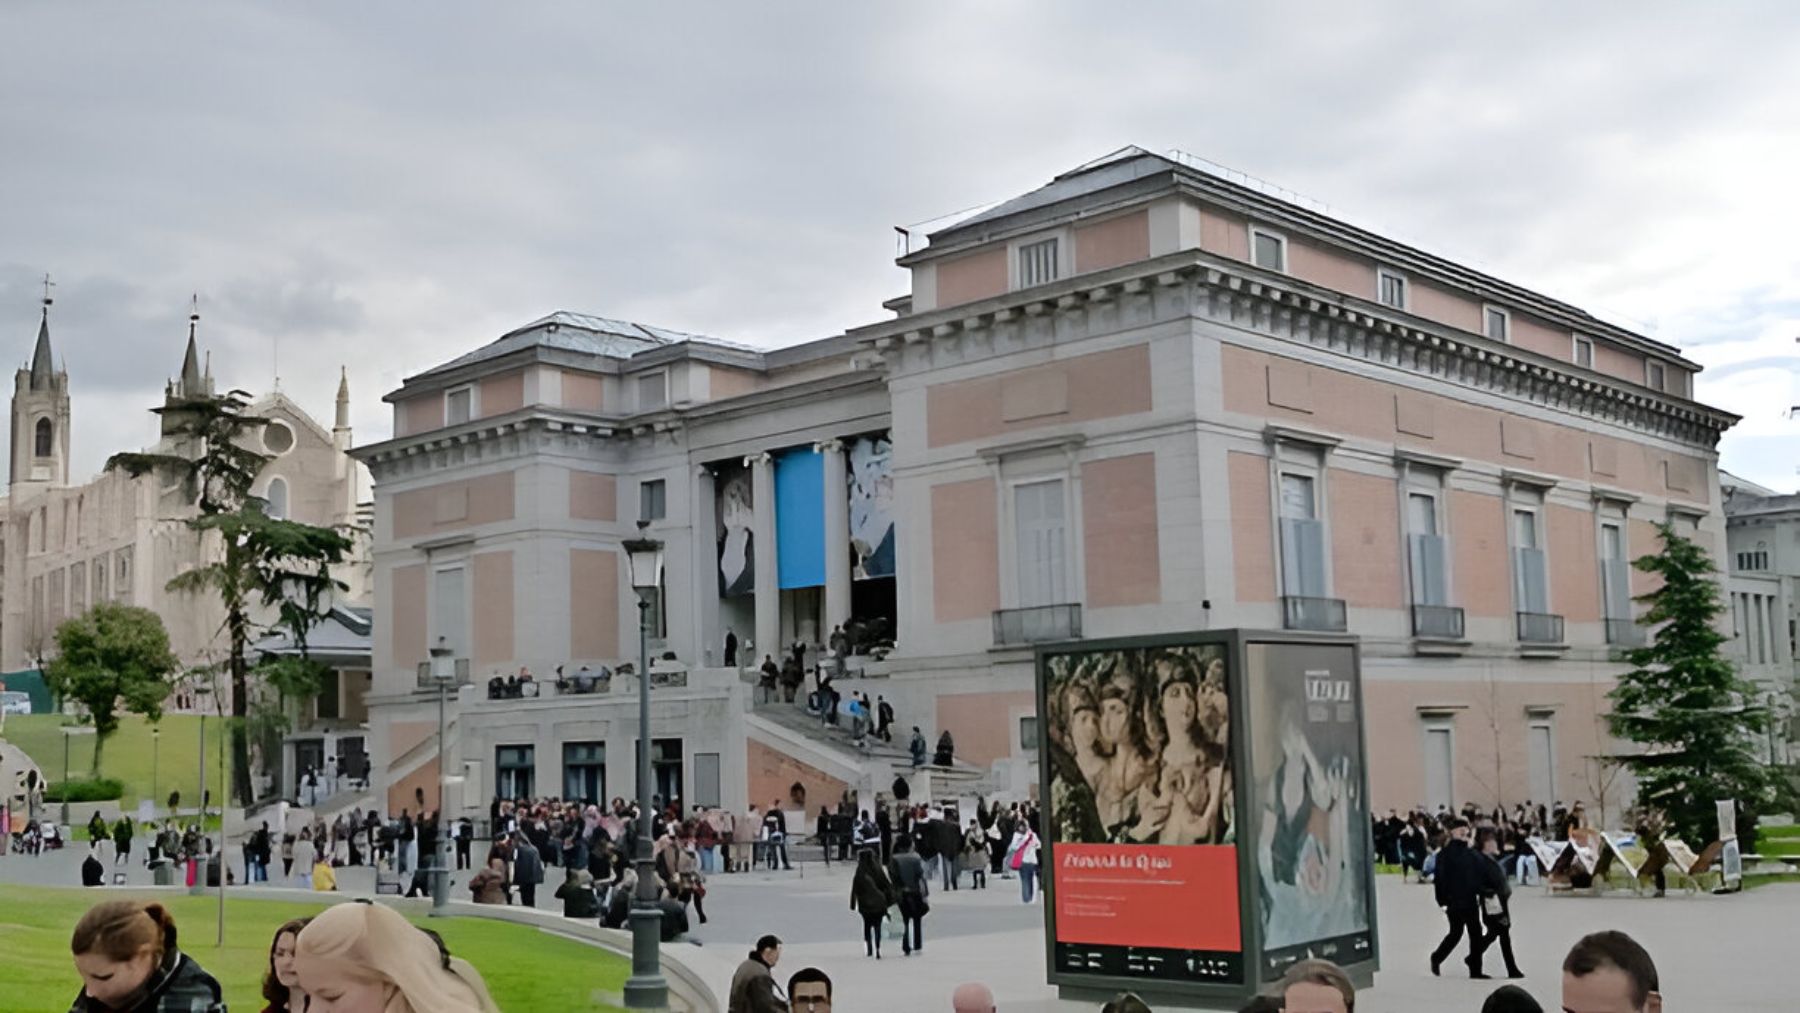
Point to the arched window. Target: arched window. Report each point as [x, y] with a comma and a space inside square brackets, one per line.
[278, 498]
[46, 438]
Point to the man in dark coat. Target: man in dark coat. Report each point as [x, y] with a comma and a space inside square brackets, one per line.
[528, 869]
[752, 986]
[731, 648]
[1458, 880]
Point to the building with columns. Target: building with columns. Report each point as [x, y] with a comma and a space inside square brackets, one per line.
[1143, 398]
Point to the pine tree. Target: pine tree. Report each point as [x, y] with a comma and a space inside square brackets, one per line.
[1684, 706]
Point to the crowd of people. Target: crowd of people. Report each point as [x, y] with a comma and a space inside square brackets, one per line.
[1414, 841]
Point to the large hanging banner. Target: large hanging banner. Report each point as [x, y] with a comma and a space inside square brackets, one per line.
[1141, 815]
[735, 526]
[799, 519]
[871, 479]
[1310, 820]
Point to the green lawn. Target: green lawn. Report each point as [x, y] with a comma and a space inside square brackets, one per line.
[526, 969]
[1778, 842]
[131, 754]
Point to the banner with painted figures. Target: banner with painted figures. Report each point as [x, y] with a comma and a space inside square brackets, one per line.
[870, 474]
[735, 530]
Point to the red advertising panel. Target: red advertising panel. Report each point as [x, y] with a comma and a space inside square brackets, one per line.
[1142, 860]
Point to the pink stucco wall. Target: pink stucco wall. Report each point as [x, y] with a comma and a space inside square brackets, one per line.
[1118, 508]
[1365, 539]
[593, 496]
[593, 605]
[771, 775]
[404, 793]
[493, 609]
[1252, 529]
[976, 276]
[1224, 233]
[1532, 334]
[1121, 240]
[732, 382]
[1341, 404]
[1434, 302]
[965, 550]
[449, 506]
[1324, 266]
[419, 414]
[406, 615]
[1480, 556]
[1574, 564]
[582, 391]
[502, 393]
[1078, 389]
[982, 723]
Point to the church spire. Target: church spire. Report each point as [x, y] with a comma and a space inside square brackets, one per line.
[343, 398]
[190, 362]
[42, 366]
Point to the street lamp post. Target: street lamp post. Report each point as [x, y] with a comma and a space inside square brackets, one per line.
[443, 673]
[646, 988]
[155, 759]
[199, 887]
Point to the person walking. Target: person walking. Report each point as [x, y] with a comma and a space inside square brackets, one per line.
[1457, 877]
[304, 853]
[122, 832]
[775, 830]
[884, 717]
[1496, 906]
[731, 647]
[975, 855]
[871, 894]
[528, 869]
[126, 955]
[753, 987]
[1024, 860]
[916, 748]
[907, 873]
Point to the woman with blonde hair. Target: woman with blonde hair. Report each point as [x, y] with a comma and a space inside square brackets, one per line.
[365, 958]
[125, 953]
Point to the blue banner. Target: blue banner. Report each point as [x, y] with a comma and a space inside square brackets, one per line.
[800, 518]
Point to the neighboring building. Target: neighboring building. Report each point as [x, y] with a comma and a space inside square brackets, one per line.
[1140, 399]
[66, 546]
[1762, 558]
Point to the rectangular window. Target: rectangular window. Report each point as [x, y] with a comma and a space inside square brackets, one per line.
[1393, 289]
[665, 769]
[1615, 572]
[1584, 352]
[449, 612]
[584, 772]
[1440, 765]
[1540, 747]
[1496, 323]
[1654, 376]
[1302, 538]
[459, 405]
[328, 698]
[1037, 263]
[653, 391]
[652, 500]
[1028, 733]
[1531, 589]
[1268, 250]
[1041, 531]
[515, 771]
[658, 616]
[706, 780]
[1425, 549]
[1753, 560]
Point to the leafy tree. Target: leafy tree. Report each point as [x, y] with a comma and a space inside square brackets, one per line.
[110, 659]
[1685, 707]
[265, 565]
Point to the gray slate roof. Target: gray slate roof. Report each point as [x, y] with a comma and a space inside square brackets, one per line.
[581, 332]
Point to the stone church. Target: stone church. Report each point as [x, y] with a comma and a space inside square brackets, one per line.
[66, 545]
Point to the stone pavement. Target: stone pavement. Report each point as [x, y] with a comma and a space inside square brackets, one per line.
[1715, 953]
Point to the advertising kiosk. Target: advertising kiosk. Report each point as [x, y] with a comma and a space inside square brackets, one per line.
[1205, 801]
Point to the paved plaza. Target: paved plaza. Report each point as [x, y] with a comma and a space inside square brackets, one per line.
[1715, 953]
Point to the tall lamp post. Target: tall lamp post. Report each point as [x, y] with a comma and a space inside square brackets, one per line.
[443, 674]
[200, 693]
[155, 759]
[646, 988]
[68, 731]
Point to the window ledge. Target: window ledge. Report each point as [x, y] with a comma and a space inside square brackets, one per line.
[1441, 646]
[1543, 650]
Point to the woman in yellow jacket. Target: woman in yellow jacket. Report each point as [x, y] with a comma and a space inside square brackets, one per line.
[324, 877]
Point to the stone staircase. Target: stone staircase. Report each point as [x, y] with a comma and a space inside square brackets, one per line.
[871, 766]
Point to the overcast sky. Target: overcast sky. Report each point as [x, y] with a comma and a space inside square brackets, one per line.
[385, 186]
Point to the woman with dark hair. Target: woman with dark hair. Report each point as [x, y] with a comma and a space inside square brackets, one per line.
[281, 983]
[871, 894]
[125, 952]
[1121, 742]
[907, 873]
[1183, 804]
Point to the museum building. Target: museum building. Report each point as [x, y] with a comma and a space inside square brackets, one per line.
[1143, 398]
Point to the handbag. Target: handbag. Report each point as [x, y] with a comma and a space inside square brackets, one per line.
[1494, 912]
[1018, 855]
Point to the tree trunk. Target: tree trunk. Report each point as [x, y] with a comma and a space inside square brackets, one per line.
[99, 742]
[241, 788]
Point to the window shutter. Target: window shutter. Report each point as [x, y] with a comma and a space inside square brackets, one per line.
[1428, 570]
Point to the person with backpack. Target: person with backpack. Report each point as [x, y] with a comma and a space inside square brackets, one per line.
[1024, 859]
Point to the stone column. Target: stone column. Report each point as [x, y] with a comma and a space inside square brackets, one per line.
[768, 589]
[705, 585]
[837, 536]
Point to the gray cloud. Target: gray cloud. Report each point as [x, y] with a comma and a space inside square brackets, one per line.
[368, 186]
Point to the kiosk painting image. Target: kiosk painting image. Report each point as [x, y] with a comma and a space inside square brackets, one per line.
[1310, 817]
[1140, 820]
[736, 517]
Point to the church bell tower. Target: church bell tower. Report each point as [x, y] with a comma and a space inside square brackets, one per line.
[40, 414]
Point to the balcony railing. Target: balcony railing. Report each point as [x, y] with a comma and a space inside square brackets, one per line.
[1325, 615]
[1443, 621]
[1540, 628]
[1624, 633]
[1043, 623]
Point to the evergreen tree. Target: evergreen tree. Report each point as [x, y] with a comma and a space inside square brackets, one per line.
[265, 566]
[1684, 706]
[112, 658]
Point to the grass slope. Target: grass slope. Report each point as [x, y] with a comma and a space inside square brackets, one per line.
[132, 755]
[526, 970]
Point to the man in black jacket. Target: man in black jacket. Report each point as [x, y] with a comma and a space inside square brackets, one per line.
[1458, 881]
